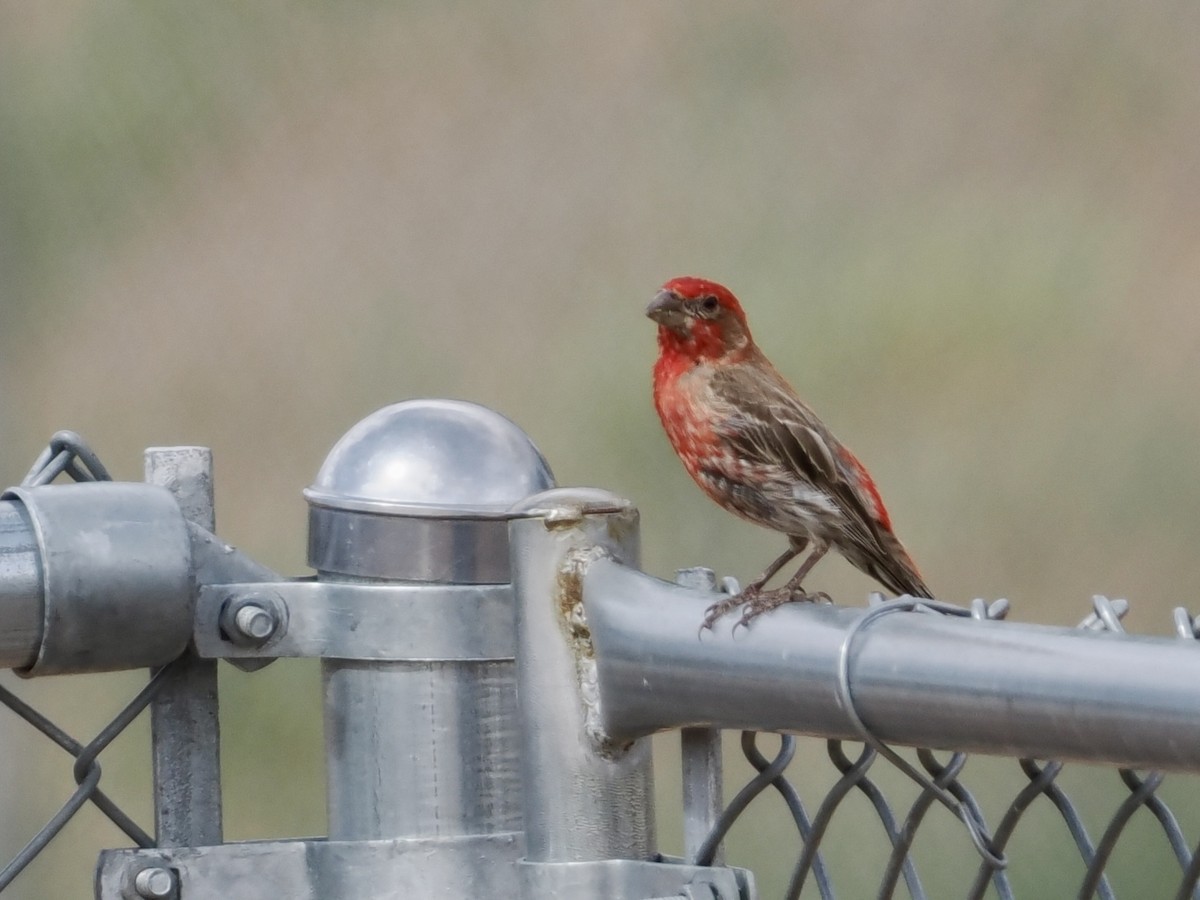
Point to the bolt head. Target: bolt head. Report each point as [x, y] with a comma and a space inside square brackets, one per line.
[155, 883]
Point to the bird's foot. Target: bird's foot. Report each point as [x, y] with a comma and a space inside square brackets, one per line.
[765, 601]
[721, 607]
[754, 601]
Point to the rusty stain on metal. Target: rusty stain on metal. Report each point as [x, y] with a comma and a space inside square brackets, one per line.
[569, 599]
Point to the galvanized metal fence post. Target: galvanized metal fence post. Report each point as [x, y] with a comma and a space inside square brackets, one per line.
[585, 798]
[423, 743]
[589, 800]
[700, 757]
[184, 722]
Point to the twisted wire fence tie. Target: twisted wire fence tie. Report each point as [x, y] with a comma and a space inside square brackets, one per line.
[975, 828]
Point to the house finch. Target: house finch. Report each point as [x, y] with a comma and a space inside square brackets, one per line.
[755, 448]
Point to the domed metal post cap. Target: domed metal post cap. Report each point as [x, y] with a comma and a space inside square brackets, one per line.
[420, 746]
[420, 491]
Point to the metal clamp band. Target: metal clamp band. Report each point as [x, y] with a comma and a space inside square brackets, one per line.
[351, 620]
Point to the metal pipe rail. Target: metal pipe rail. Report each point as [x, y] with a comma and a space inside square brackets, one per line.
[102, 576]
[20, 588]
[918, 680]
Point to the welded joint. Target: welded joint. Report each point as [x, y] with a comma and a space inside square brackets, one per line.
[592, 525]
[568, 603]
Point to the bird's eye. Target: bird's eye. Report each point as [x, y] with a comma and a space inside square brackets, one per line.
[710, 305]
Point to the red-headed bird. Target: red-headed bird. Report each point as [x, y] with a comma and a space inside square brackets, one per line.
[757, 449]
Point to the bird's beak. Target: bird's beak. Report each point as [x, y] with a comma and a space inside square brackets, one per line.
[667, 310]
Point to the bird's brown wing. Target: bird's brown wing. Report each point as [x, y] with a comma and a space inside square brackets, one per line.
[768, 424]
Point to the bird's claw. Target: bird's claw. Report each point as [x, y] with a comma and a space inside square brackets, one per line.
[720, 608]
[762, 602]
[754, 602]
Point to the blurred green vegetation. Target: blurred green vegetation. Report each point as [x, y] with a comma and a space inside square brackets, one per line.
[968, 234]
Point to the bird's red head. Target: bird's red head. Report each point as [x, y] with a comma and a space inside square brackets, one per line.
[698, 319]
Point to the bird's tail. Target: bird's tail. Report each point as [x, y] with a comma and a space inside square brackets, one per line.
[892, 567]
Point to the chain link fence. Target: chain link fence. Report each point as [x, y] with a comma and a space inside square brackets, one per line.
[1039, 780]
[865, 766]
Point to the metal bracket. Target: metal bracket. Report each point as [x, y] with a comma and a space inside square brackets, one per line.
[351, 620]
[315, 869]
[635, 879]
[399, 868]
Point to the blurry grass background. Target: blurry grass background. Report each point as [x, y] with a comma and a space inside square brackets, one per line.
[969, 234]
